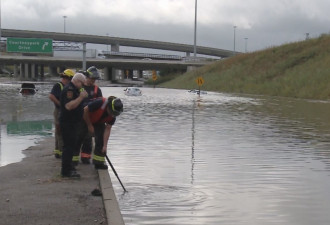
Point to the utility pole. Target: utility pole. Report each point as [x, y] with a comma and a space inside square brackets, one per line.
[107, 44]
[235, 40]
[64, 17]
[246, 39]
[195, 30]
[0, 28]
[307, 36]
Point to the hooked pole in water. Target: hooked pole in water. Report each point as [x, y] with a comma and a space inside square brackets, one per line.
[114, 171]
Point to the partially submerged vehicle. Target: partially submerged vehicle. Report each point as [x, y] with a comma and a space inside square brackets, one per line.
[133, 91]
[28, 89]
[199, 92]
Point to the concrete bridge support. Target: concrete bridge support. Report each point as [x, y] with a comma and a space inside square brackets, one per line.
[27, 69]
[107, 73]
[121, 74]
[191, 68]
[21, 74]
[34, 71]
[53, 71]
[140, 74]
[16, 70]
[42, 72]
[112, 74]
[115, 48]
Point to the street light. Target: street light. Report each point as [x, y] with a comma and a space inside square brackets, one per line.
[64, 17]
[246, 39]
[0, 28]
[195, 51]
[234, 39]
[107, 44]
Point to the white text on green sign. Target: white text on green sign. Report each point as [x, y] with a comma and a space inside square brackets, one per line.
[29, 45]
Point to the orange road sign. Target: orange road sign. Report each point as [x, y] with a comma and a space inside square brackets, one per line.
[200, 81]
[154, 75]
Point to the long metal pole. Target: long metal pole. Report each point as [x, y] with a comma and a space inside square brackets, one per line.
[114, 171]
[195, 30]
[84, 57]
[107, 44]
[246, 39]
[0, 28]
[235, 40]
[64, 17]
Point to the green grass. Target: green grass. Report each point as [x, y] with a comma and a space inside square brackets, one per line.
[300, 70]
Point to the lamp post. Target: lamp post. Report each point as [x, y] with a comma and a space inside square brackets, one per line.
[307, 36]
[246, 39]
[195, 51]
[64, 17]
[0, 28]
[107, 44]
[235, 40]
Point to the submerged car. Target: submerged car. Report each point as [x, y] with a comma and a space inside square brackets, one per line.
[133, 91]
[28, 89]
[199, 92]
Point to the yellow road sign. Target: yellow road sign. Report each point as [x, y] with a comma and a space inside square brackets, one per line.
[200, 81]
[154, 75]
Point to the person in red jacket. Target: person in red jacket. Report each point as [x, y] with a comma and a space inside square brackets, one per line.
[100, 115]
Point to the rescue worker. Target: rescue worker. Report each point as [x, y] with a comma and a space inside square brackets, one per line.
[54, 96]
[85, 143]
[100, 115]
[71, 114]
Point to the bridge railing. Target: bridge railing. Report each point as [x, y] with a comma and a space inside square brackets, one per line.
[142, 55]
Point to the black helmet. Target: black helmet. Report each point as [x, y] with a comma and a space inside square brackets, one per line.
[93, 73]
[115, 105]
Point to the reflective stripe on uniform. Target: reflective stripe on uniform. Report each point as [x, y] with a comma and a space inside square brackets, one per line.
[75, 158]
[61, 85]
[57, 152]
[98, 158]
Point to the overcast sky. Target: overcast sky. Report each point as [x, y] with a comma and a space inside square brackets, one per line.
[265, 23]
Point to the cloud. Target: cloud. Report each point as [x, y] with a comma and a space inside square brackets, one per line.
[264, 22]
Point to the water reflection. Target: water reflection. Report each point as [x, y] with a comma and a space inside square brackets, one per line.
[24, 120]
[13, 140]
[29, 127]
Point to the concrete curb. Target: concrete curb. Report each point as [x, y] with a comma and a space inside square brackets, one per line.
[111, 205]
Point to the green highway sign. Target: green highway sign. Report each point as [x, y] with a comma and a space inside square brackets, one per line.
[29, 45]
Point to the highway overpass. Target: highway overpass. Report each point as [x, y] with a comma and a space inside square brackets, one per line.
[115, 42]
[132, 64]
[33, 66]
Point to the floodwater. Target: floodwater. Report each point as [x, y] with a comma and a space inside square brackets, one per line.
[213, 159]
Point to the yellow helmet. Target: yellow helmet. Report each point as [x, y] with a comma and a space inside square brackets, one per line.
[68, 73]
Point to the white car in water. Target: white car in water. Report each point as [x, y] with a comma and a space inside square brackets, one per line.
[199, 92]
[133, 91]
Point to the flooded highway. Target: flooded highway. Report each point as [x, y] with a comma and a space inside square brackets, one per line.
[213, 159]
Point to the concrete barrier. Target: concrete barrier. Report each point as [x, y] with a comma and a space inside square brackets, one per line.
[111, 205]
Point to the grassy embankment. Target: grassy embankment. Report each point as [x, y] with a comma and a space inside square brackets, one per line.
[300, 70]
